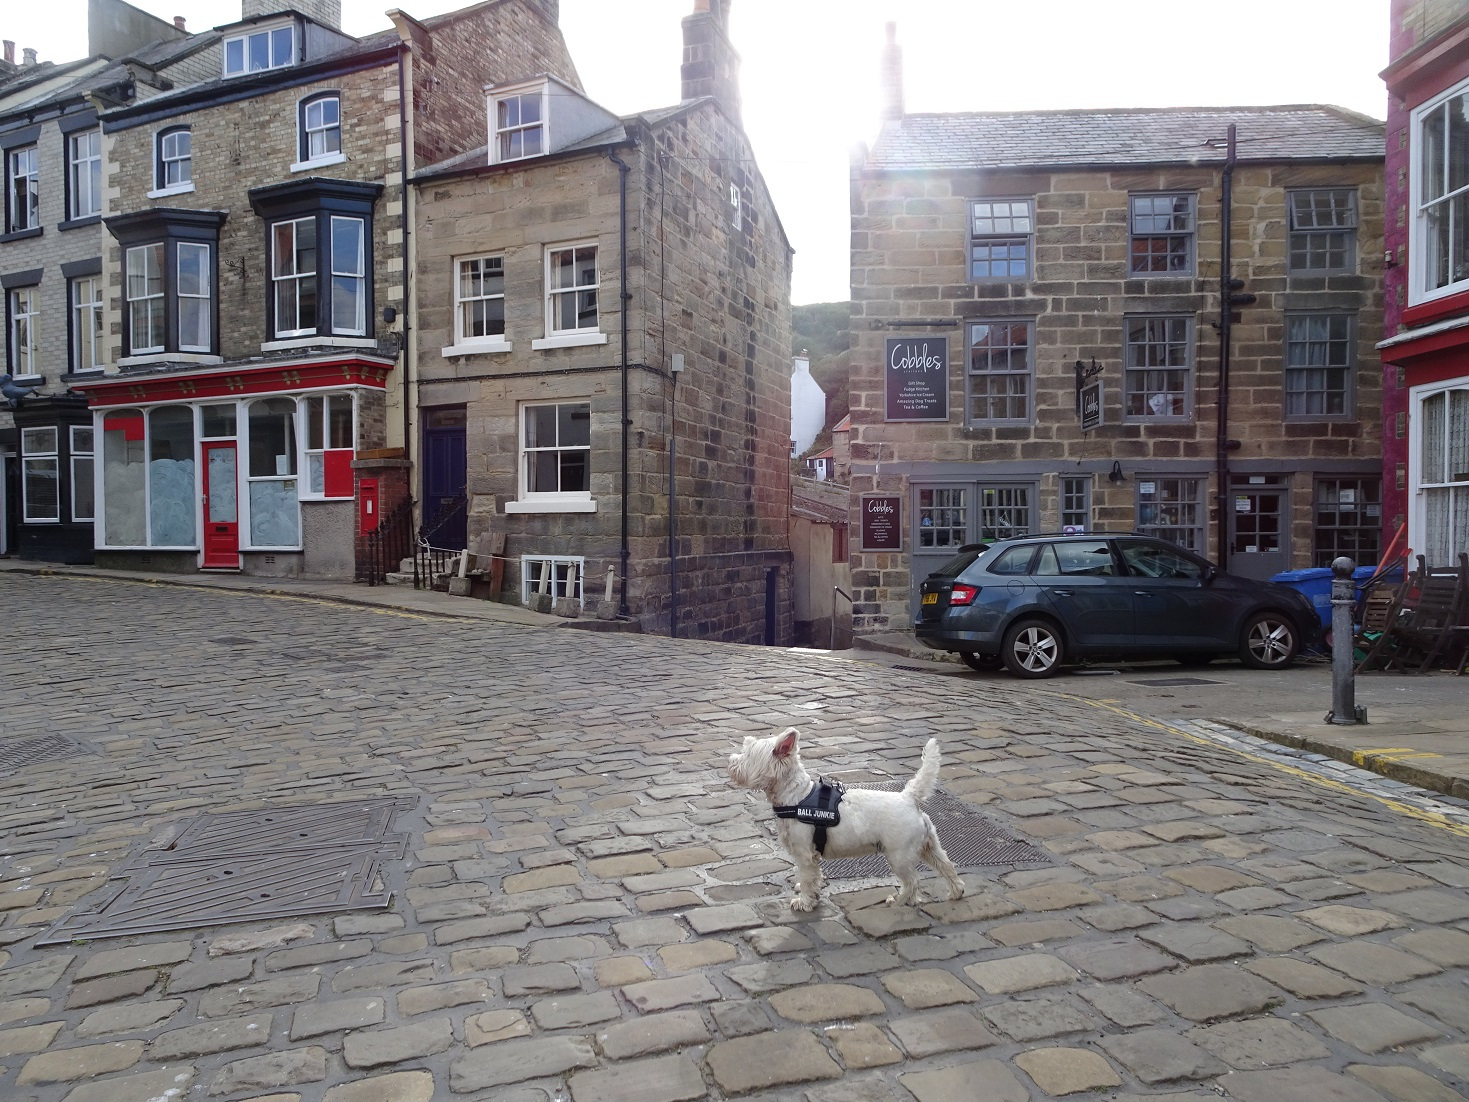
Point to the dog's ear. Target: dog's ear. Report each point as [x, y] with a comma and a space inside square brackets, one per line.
[785, 743]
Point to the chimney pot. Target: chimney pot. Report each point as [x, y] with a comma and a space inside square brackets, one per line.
[29, 55]
[892, 75]
[9, 51]
[179, 21]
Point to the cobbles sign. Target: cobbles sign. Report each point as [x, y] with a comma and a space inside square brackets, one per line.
[882, 522]
[917, 374]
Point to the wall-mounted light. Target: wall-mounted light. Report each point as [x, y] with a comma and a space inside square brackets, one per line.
[1115, 474]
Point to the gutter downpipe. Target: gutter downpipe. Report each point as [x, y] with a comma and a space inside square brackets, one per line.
[626, 296]
[1226, 202]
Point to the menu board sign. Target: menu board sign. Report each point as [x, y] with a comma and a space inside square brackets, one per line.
[882, 522]
[917, 375]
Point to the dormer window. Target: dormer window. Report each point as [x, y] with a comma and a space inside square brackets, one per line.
[520, 123]
[271, 48]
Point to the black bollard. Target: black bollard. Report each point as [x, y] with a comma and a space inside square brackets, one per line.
[1344, 708]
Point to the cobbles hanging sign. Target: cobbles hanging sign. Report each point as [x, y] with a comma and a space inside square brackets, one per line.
[917, 374]
[882, 522]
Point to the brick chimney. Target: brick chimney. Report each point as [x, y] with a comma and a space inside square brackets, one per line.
[181, 23]
[9, 51]
[892, 75]
[710, 65]
[29, 57]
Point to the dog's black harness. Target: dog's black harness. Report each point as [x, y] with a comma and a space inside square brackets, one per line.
[820, 808]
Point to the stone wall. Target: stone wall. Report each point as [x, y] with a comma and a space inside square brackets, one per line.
[909, 261]
[717, 293]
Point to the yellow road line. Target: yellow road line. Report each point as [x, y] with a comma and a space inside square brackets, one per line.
[1431, 818]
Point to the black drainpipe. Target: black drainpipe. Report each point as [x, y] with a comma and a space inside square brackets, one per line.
[1226, 203]
[625, 296]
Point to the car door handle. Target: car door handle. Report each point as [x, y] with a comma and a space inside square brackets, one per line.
[1141, 593]
[1060, 593]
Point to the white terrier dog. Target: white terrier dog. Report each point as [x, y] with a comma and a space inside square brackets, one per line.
[890, 823]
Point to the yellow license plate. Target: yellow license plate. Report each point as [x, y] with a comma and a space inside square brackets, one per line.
[930, 598]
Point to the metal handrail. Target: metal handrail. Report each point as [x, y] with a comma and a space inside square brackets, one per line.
[388, 544]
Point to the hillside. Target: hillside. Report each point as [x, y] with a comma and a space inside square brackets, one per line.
[821, 329]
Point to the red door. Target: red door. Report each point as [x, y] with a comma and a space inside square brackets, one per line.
[221, 507]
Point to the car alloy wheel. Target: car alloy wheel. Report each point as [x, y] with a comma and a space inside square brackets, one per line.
[1269, 642]
[1033, 648]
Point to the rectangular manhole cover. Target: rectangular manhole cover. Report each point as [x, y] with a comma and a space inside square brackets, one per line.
[248, 866]
[1177, 682]
[971, 840]
[20, 753]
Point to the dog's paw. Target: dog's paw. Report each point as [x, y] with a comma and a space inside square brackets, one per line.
[956, 892]
[803, 903]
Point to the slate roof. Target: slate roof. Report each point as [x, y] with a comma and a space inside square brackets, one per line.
[1127, 136]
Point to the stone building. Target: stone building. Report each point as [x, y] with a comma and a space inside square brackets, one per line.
[51, 247]
[1425, 352]
[1035, 302]
[253, 412]
[602, 316]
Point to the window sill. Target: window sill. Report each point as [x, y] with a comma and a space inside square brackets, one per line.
[177, 189]
[316, 498]
[78, 223]
[83, 376]
[40, 520]
[471, 348]
[584, 506]
[318, 342]
[20, 235]
[569, 340]
[144, 358]
[319, 162]
[28, 380]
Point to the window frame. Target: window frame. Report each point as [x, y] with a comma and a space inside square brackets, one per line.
[298, 278]
[169, 228]
[1348, 369]
[1418, 289]
[561, 586]
[162, 161]
[129, 326]
[464, 342]
[75, 456]
[1191, 235]
[1306, 235]
[539, 90]
[1130, 371]
[1025, 237]
[1367, 492]
[272, 61]
[304, 132]
[74, 180]
[31, 222]
[1420, 489]
[330, 203]
[546, 501]
[331, 458]
[82, 334]
[1197, 528]
[28, 320]
[553, 293]
[971, 375]
[40, 455]
[1071, 488]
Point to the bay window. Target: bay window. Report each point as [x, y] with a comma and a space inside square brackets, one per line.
[124, 479]
[171, 492]
[169, 281]
[318, 254]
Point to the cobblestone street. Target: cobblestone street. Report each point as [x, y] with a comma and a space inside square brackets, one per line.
[587, 911]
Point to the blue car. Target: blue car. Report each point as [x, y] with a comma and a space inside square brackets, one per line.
[1035, 603]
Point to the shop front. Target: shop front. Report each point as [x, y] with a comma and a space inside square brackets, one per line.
[239, 469]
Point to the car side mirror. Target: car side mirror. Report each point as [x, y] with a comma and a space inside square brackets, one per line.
[1210, 573]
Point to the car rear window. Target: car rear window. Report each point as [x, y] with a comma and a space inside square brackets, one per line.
[959, 562]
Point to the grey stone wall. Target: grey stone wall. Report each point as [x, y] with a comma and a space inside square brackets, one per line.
[909, 262]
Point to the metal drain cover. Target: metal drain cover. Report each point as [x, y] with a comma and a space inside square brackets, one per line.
[1175, 682]
[972, 840]
[247, 866]
[33, 751]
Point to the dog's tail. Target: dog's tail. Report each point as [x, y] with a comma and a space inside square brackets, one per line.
[926, 779]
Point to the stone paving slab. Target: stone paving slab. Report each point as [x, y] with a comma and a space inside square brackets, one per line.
[588, 907]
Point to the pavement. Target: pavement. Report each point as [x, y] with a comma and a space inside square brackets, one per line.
[580, 908]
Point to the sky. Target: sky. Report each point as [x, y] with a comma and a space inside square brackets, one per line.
[809, 75]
